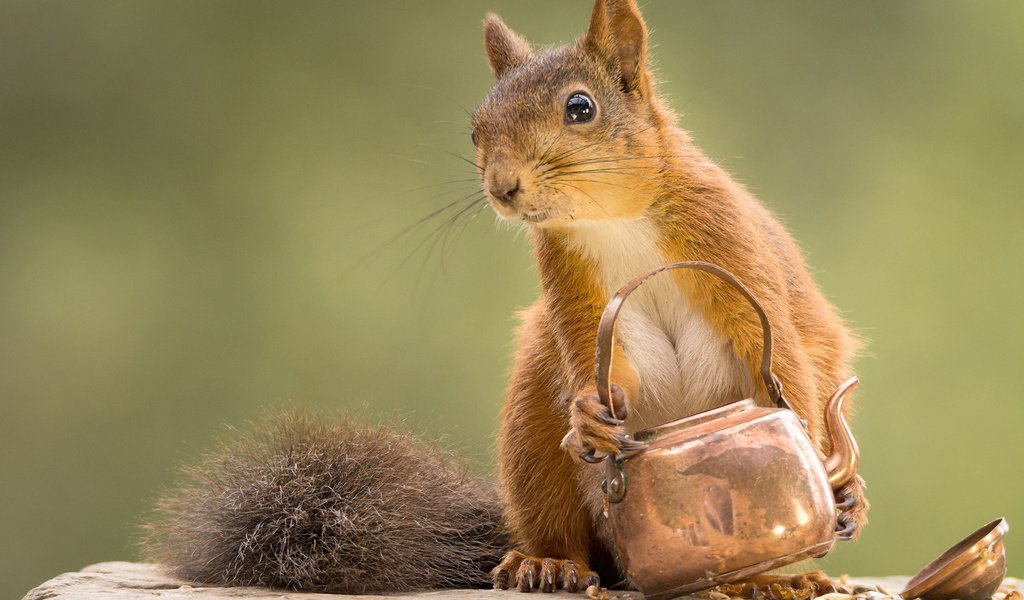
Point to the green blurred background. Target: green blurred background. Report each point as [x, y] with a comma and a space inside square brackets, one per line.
[194, 196]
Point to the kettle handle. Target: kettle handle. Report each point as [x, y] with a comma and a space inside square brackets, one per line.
[606, 330]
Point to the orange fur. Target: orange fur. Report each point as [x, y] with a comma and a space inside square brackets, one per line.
[574, 185]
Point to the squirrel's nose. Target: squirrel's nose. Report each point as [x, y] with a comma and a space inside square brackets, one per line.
[504, 188]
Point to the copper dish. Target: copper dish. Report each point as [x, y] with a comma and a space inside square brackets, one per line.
[970, 570]
[727, 493]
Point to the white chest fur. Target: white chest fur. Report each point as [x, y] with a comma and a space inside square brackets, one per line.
[684, 366]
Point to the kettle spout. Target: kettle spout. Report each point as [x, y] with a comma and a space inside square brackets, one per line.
[841, 464]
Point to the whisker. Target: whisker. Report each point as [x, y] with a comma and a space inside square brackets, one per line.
[537, 144]
[481, 206]
[557, 175]
[608, 171]
[572, 151]
[451, 234]
[577, 149]
[438, 238]
[413, 227]
[598, 181]
[547, 150]
[654, 159]
[442, 93]
[466, 160]
[463, 182]
[432, 236]
[615, 158]
[607, 160]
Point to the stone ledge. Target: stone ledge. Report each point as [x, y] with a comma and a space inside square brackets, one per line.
[140, 581]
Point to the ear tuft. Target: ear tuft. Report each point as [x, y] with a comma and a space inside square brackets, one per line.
[618, 36]
[505, 49]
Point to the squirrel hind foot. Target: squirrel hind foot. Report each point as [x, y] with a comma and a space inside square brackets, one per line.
[527, 573]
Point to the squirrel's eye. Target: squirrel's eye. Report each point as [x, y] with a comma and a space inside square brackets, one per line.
[472, 136]
[579, 108]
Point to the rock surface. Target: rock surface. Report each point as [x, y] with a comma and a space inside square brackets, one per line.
[139, 581]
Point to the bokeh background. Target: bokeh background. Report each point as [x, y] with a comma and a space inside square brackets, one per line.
[202, 206]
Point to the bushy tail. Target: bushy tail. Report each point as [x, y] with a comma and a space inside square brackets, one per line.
[338, 507]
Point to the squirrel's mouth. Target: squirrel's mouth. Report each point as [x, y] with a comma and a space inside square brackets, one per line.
[537, 216]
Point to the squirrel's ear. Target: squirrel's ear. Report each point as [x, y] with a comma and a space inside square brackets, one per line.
[618, 35]
[505, 49]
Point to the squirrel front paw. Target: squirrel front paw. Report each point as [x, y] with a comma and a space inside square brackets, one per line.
[853, 509]
[594, 432]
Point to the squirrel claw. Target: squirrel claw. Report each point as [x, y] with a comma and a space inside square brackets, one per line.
[526, 579]
[627, 446]
[548, 577]
[570, 578]
[846, 527]
[845, 500]
[500, 578]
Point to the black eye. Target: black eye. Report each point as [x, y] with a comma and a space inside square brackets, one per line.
[472, 136]
[579, 108]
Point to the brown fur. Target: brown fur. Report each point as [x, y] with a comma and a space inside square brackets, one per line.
[338, 507]
[631, 163]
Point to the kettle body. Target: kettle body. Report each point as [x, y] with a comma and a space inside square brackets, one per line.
[727, 493]
[719, 496]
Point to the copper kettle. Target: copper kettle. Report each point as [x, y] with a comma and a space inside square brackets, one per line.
[726, 493]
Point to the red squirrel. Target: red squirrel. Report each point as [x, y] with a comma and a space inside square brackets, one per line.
[574, 142]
